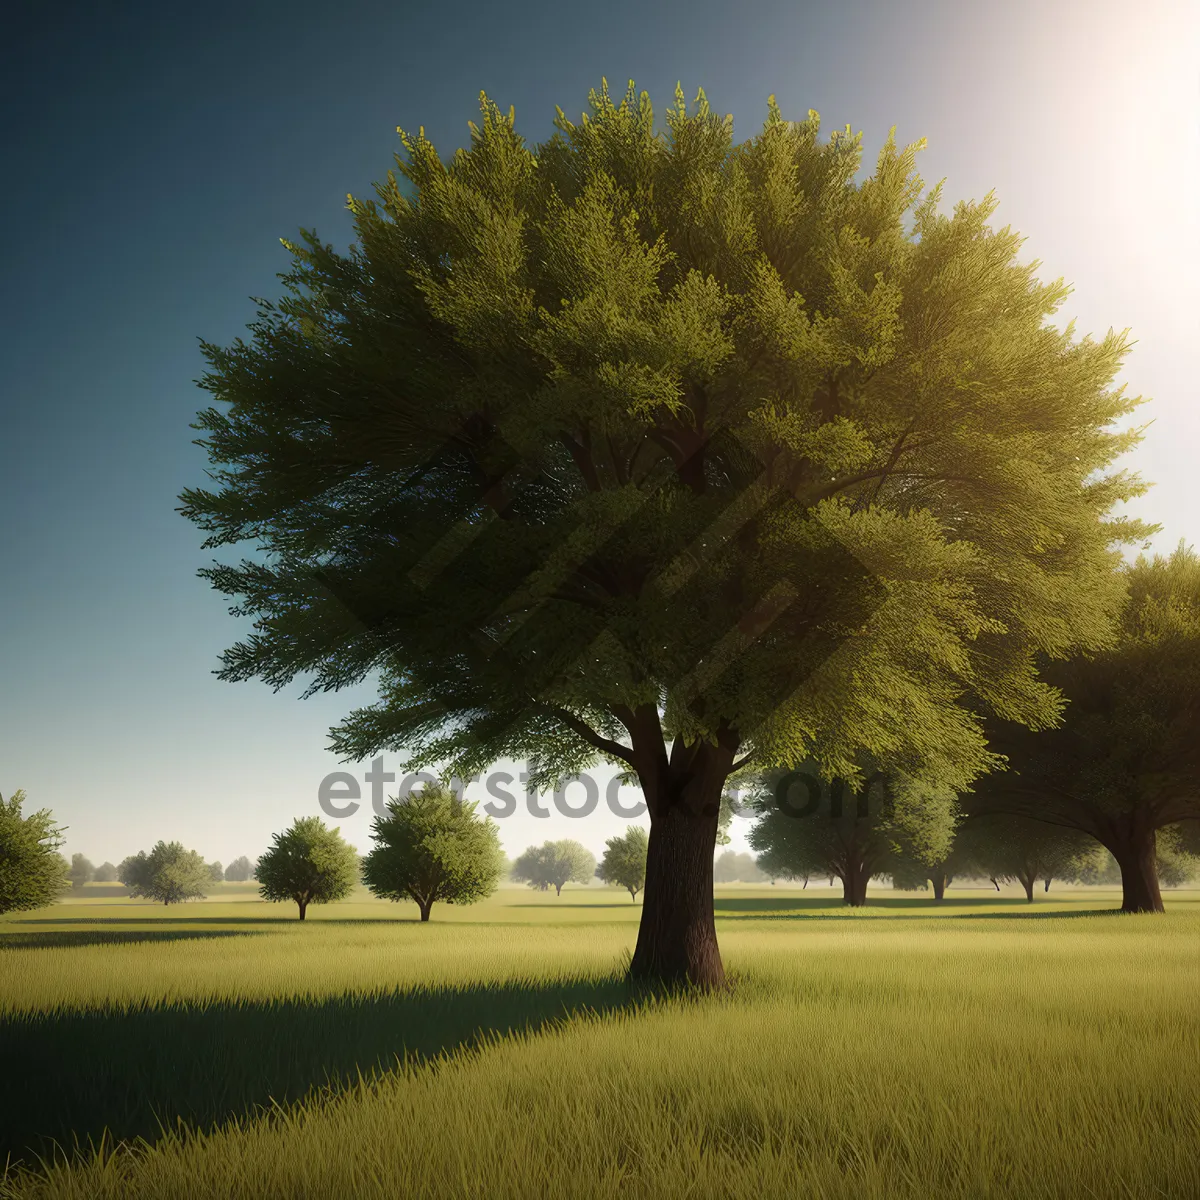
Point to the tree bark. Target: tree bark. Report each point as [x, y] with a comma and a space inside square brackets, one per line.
[1135, 849]
[677, 937]
[1047, 887]
[939, 887]
[558, 889]
[424, 906]
[303, 905]
[1027, 882]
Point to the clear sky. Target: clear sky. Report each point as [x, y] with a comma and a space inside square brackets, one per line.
[154, 154]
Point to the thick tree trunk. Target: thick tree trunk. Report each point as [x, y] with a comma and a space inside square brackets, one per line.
[677, 940]
[939, 887]
[558, 889]
[1047, 887]
[1027, 882]
[1136, 854]
[424, 907]
[303, 906]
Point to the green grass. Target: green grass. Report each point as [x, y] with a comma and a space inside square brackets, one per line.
[983, 1048]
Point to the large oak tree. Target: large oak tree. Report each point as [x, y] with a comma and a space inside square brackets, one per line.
[647, 445]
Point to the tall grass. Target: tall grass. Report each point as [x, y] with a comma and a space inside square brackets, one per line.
[980, 1054]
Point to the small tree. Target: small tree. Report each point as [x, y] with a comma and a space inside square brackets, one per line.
[308, 864]
[239, 870]
[105, 873]
[32, 872]
[433, 847]
[81, 872]
[216, 872]
[554, 864]
[624, 861]
[169, 874]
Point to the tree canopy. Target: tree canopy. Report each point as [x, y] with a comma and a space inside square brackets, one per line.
[554, 864]
[431, 846]
[308, 864]
[1125, 761]
[169, 874]
[649, 445]
[32, 871]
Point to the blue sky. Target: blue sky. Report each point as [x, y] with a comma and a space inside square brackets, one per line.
[155, 155]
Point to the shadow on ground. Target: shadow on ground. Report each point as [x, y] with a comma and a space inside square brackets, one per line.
[135, 1072]
[767, 908]
[47, 939]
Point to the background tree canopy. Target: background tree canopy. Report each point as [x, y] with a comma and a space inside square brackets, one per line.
[651, 445]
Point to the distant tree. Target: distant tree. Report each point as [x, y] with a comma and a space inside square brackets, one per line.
[853, 835]
[32, 872]
[1025, 851]
[169, 874]
[239, 870]
[912, 870]
[433, 847]
[105, 873]
[1124, 763]
[734, 867]
[308, 864]
[554, 864]
[216, 872]
[650, 445]
[82, 871]
[624, 861]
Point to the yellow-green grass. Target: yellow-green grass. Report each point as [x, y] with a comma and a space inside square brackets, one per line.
[982, 1048]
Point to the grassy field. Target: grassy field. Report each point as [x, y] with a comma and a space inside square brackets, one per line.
[985, 1047]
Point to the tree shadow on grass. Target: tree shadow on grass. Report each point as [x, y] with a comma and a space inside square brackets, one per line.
[48, 939]
[69, 1076]
[889, 908]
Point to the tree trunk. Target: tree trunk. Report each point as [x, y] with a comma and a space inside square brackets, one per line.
[558, 889]
[677, 937]
[1027, 882]
[994, 882]
[424, 906]
[939, 886]
[677, 940]
[1135, 850]
[1047, 887]
[303, 904]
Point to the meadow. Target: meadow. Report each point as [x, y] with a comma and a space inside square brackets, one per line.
[983, 1047]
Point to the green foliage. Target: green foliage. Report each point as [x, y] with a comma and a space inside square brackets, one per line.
[640, 422]
[1125, 760]
[432, 847]
[169, 874]
[239, 870]
[308, 864]
[32, 872]
[105, 873]
[554, 864]
[1028, 851]
[81, 871]
[624, 861]
[216, 872]
[822, 827]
